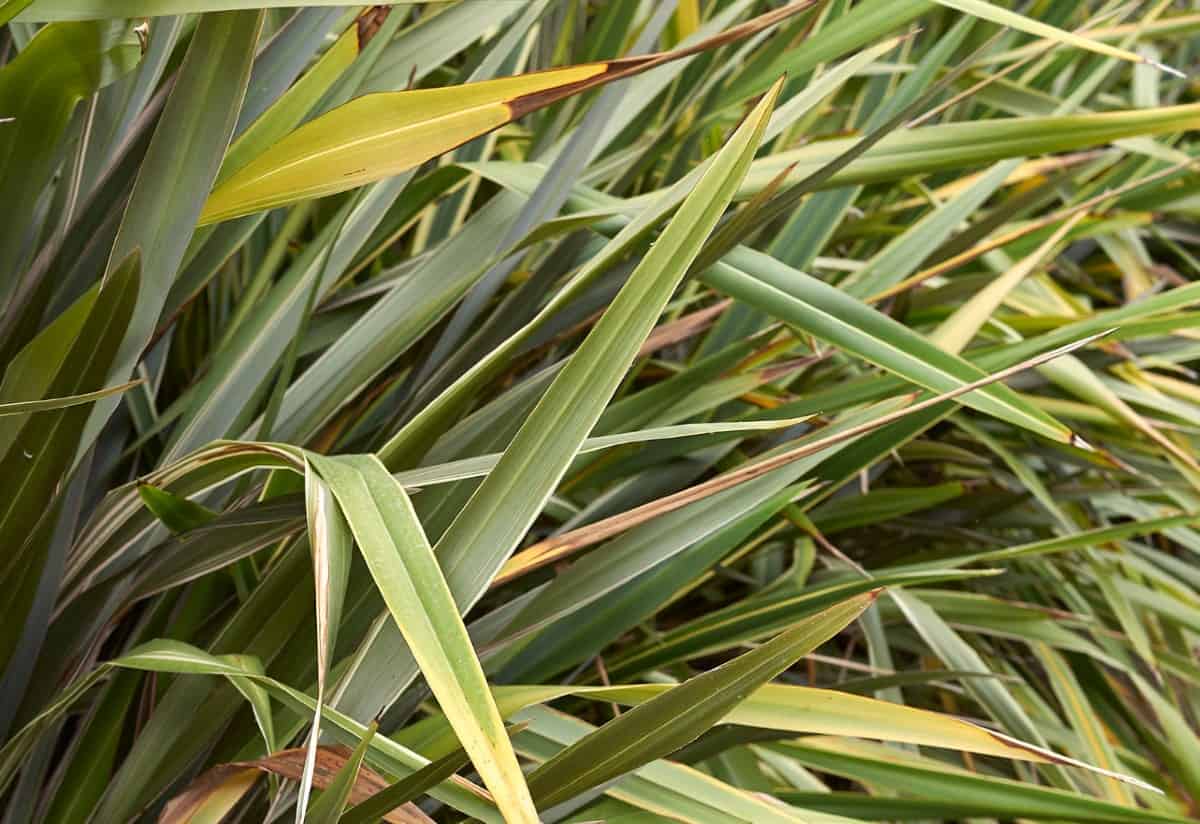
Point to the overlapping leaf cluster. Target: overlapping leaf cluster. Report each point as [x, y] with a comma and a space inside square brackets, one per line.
[548, 410]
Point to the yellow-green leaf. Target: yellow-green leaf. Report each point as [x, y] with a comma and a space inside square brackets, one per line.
[381, 135]
[989, 11]
[408, 577]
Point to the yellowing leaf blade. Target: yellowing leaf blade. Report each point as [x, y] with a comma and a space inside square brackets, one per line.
[381, 135]
[411, 583]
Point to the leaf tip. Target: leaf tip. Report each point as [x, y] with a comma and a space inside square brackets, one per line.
[369, 23]
[1077, 441]
[1163, 67]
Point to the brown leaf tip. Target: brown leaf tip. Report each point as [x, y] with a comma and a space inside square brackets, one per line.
[369, 23]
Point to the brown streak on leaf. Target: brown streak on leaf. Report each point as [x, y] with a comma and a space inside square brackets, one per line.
[290, 764]
[182, 807]
[629, 66]
[683, 328]
[553, 549]
[369, 23]
[1095, 202]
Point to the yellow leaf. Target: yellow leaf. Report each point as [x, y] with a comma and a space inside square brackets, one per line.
[381, 135]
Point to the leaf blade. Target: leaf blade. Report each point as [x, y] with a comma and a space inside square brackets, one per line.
[410, 581]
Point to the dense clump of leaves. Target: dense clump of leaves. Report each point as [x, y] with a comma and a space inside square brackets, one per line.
[548, 410]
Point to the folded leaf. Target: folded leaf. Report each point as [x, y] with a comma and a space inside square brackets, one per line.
[408, 577]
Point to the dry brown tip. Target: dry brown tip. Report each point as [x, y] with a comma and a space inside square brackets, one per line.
[369, 23]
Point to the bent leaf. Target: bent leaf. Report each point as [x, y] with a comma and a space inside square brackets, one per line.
[177, 513]
[26, 407]
[408, 577]
[177, 657]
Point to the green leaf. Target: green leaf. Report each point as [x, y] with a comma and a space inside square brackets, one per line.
[996, 14]
[665, 788]
[293, 106]
[256, 695]
[512, 495]
[177, 513]
[826, 712]
[183, 157]
[412, 437]
[406, 789]
[670, 720]
[379, 136]
[974, 794]
[957, 653]
[11, 8]
[44, 10]
[39, 90]
[177, 657]
[1066, 543]
[330, 539]
[483, 464]
[967, 143]
[892, 808]
[836, 317]
[960, 328]
[981, 195]
[408, 577]
[329, 807]
[48, 404]
[754, 618]
[37, 452]
[1084, 719]
[762, 281]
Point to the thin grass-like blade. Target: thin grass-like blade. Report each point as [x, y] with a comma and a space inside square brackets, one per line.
[178, 514]
[1006, 17]
[37, 451]
[328, 808]
[825, 712]
[330, 541]
[45, 10]
[48, 404]
[972, 793]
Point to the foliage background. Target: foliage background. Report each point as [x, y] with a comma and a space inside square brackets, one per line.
[738, 337]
